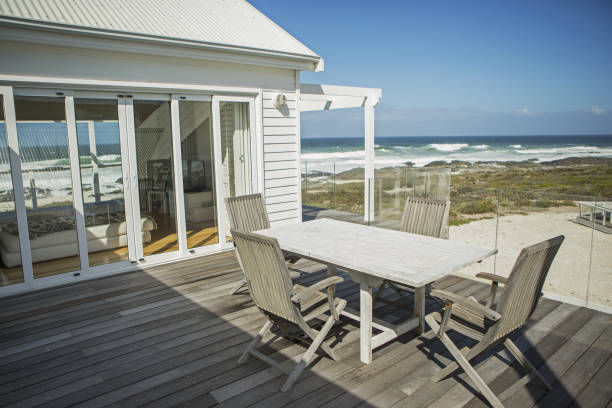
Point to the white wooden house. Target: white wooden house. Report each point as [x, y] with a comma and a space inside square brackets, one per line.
[124, 124]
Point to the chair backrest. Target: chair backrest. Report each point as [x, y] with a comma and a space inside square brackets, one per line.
[523, 289]
[426, 217]
[266, 273]
[247, 213]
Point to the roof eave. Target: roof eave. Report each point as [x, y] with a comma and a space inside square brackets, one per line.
[214, 51]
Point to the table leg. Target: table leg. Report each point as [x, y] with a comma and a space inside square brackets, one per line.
[365, 323]
[331, 272]
[419, 307]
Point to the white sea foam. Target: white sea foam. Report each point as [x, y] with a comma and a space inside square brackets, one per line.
[320, 156]
[566, 150]
[516, 146]
[421, 155]
[448, 147]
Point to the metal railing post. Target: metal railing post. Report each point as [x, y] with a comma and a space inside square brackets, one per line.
[335, 208]
[306, 180]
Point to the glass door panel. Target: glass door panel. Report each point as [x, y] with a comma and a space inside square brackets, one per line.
[11, 270]
[236, 148]
[154, 164]
[236, 157]
[47, 180]
[102, 180]
[198, 173]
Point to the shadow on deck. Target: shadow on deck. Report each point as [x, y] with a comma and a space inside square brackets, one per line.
[171, 336]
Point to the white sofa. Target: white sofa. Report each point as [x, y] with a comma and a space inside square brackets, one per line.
[63, 244]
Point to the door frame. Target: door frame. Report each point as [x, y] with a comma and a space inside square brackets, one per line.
[67, 96]
[100, 270]
[184, 250]
[256, 156]
[10, 123]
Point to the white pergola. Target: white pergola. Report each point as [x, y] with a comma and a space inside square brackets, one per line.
[326, 97]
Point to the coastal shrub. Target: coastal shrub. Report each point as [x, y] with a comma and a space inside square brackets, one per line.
[522, 203]
[477, 207]
[546, 203]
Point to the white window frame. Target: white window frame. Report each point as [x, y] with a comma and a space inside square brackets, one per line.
[119, 98]
[10, 122]
[77, 198]
[256, 156]
[178, 169]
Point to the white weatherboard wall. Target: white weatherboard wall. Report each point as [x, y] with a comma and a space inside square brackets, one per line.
[33, 60]
[281, 172]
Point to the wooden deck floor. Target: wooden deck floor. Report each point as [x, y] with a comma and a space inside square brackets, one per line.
[170, 336]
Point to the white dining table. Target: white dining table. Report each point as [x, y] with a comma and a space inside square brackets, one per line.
[370, 255]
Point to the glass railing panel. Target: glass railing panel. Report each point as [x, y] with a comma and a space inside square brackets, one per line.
[473, 221]
[392, 186]
[599, 285]
[327, 186]
[528, 217]
[348, 190]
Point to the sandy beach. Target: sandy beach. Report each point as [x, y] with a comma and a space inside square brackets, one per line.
[569, 275]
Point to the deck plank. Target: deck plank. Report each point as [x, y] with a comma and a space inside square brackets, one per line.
[171, 335]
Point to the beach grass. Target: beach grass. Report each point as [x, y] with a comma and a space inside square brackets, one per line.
[477, 191]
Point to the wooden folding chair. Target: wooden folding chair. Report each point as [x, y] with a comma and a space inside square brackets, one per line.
[494, 323]
[290, 308]
[423, 217]
[248, 213]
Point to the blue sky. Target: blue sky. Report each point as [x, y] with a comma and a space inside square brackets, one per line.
[460, 67]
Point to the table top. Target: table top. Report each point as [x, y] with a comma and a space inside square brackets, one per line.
[411, 259]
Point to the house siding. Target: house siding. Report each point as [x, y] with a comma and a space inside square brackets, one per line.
[281, 158]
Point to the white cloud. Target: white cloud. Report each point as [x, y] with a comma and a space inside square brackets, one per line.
[598, 110]
[524, 112]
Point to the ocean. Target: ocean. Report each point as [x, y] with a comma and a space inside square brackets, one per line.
[320, 154]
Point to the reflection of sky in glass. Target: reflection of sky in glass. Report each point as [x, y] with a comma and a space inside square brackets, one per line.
[44, 154]
[36, 138]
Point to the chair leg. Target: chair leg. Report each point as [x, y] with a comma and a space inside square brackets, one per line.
[461, 361]
[471, 372]
[238, 287]
[520, 357]
[317, 341]
[264, 330]
[452, 366]
[449, 369]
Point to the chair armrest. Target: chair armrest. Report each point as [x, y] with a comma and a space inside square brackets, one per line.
[467, 303]
[492, 277]
[325, 283]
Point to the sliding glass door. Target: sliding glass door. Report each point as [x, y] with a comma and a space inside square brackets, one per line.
[154, 166]
[11, 238]
[198, 172]
[236, 150]
[95, 181]
[48, 185]
[102, 182]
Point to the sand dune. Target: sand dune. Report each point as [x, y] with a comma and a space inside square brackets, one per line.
[569, 275]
